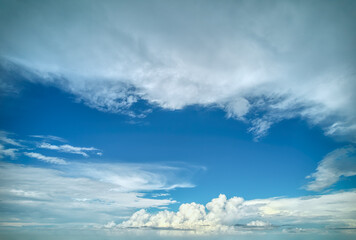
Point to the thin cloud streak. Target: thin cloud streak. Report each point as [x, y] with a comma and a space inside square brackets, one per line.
[54, 160]
[69, 149]
[49, 137]
[5, 139]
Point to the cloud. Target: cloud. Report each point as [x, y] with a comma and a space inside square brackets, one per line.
[54, 160]
[258, 223]
[82, 193]
[49, 137]
[225, 215]
[160, 195]
[31, 145]
[261, 63]
[21, 224]
[10, 152]
[69, 149]
[339, 163]
[4, 138]
[135, 177]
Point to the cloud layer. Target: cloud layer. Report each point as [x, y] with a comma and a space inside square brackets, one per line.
[261, 62]
[229, 215]
[76, 192]
[82, 192]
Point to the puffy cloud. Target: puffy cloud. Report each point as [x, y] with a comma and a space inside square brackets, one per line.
[227, 215]
[43, 158]
[339, 163]
[260, 62]
[84, 193]
[69, 149]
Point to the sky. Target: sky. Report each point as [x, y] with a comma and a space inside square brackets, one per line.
[177, 119]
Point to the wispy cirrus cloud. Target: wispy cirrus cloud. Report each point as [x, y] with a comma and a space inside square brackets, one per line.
[54, 160]
[70, 149]
[10, 152]
[4, 137]
[83, 192]
[49, 137]
[30, 148]
[339, 163]
[261, 63]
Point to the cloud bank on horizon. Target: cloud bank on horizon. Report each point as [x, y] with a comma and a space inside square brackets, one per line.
[111, 191]
[223, 215]
[261, 62]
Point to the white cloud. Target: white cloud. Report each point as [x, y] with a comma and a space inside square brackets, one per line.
[259, 62]
[54, 160]
[4, 138]
[135, 177]
[160, 195]
[10, 152]
[225, 215]
[339, 163]
[82, 192]
[258, 223]
[69, 149]
[49, 137]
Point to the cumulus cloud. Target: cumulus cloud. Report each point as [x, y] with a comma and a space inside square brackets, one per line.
[82, 192]
[69, 149]
[226, 215]
[339, 163]
[54, 160]
[260, 62]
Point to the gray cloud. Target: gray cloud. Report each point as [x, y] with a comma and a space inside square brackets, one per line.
[260, 62]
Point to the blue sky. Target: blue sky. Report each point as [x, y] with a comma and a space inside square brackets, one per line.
[177, 119]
